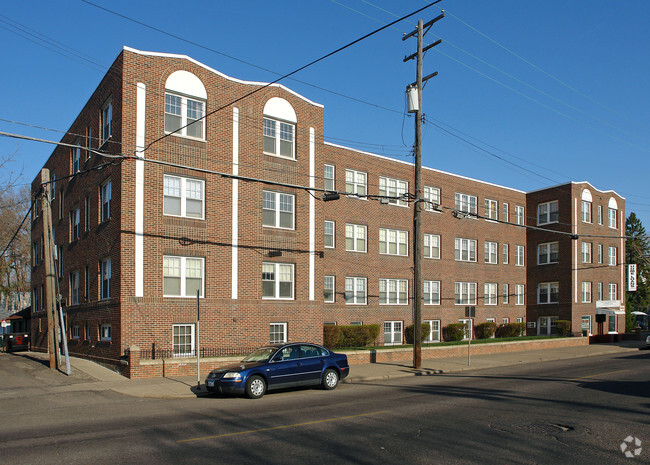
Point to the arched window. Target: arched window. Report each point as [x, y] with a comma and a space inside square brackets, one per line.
[612, 213]
[279, 128]
[586, 206]
[185, 98]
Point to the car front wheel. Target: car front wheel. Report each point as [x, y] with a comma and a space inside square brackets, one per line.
[255, 387]
[330, 379]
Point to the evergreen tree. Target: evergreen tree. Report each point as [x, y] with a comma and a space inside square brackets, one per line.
[637, 251]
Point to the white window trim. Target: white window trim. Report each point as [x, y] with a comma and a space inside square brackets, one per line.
[398, 283]
[520, 294]
[397, 189]
[333, 299]
[519, 262]
[276, 274]
[105, 200]
[333, 234]
[429, 338]
[491, 210]
[463, 203]
[431, 248]
[432, 197]
[355, 229]
[397, 242]
[506, 254]
[491, 252]
[393, 324]
[103, 278]
[612, 256]
[283, 326]
[332, 179]
[430, 293]
[356, 279]
[183, 197]
[355, 184]
[506, 294]
[464, 245]
[549, 210]
[278, 123]
[106, 113]
[586, 250]
[74, 332]
[182, 132]
[548, 253]
[548, 286]
[490, 294]
[520, 217]
[183, 277]
[276, 199]
[103, 329]
[586, 285]
[192, 351]
[465, 298]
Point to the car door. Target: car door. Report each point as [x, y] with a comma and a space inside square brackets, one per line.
[284, 368]
[311, 364]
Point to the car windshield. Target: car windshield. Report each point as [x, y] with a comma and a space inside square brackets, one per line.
[260, 355]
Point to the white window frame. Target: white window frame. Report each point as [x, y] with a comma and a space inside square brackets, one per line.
[178, 345]
[105, 279]
[329, 231]
[106, 121]
[520, 218]
[586, 292]
[185, 121]
[586, 249]
[275, 129]
[600, 253]
[431, 292]
[490, 292]
[277, 329]
[506, 253]
[613, 291]
[432, 246]
[434, 331]
[356, 290]
[327, 280]
[491, 252]
[612, 256]
[74, 333]
[466, 203]
[548, 253]
[548, 212]
[393, 242]
[276, 202]
[105, 199]
[393, 333]
[105, 332]
[546, 298]
[506, 212]
[464, 249]
[520, 255]
[465, 293]
[275, 268]
[390, 187]
[358, 234]
[356, 183]
[491, 209]
[586, 211]
[182, 274]
[184, 195]
[612, 218]
[600, 291]
[431, 195]
[329, 177]
[600, 215]
[75, 155]
[519, 294]
[393, 291]
[506, 294]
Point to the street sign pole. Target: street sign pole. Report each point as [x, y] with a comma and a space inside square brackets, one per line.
[198, 351]
[470, 312]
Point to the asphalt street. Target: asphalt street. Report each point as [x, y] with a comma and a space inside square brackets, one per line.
[576, 411]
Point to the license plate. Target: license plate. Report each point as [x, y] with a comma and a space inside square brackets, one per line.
[210, 383]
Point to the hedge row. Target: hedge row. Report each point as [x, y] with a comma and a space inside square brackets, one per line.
[341, 337]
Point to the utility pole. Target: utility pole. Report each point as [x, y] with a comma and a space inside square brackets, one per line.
[415, 106]
[50, 272]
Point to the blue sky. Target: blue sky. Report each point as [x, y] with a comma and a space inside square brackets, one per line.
[550, 91]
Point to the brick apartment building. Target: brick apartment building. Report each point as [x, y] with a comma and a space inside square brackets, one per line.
[222, 207]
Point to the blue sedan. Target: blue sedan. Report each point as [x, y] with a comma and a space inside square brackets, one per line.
[280, 366]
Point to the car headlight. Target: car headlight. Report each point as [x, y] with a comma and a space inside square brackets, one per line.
[232, 374]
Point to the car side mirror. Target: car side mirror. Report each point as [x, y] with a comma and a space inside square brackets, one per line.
[277, 358]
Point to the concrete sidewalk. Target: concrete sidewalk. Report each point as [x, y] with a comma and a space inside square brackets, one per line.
[99, 378]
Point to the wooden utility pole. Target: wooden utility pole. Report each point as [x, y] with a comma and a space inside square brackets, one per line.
[50, 272]
[417, 203]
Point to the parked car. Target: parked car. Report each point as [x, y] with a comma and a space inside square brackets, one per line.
[16, 341]
[280, 366]
[647, 344]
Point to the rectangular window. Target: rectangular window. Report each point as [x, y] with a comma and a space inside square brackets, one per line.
[600, 214]
[182, 276]
[586, 292]
[600, 291]
[431, 196]
[611, 217]
[431, 292]
[87, 332]
[107, 120]
[61, 203]
[434, 331]
[328, 289]
[465, 250]
[277, 280]
[613, 291]
[76, 157]
[87, 214]
[184, 116]
[491, 252]
[355, 291]
[505, 320]
[74, 288]
[506, 293]
[465, 203]
[490, 293]
[278, 210]
[392, 333]
[506, 212]
[519, 294]
[183, 340]
[394, 189]
[547, 212]
[547, 253]
[355, 238]
[506, 253]
[611, 326]
[465, 293]
[36, 253]
[519, 215]
[278, 138]
[355, 182]
[278, 333]
[431, 246]
[87, 283]
[75, 224]
[105, 195]
[586, 252]
[586, 211]
[393, 242]
[393, 292]
[548, 293]
[328, 233]
[491, 209]
[600, 253]
[183, 196]
[89, 141]
[105, 333]
[105, 276]
[519, 255]
[328, 178]
[75, 332]
[612, 256]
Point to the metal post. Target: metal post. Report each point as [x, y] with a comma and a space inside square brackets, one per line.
[198, 350]
[469, 343]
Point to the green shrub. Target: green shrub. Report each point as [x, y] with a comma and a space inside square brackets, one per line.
[563, 328]
[340, 337]
[408, 333]
[454, 332]
[510, 330]
[485, 330]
